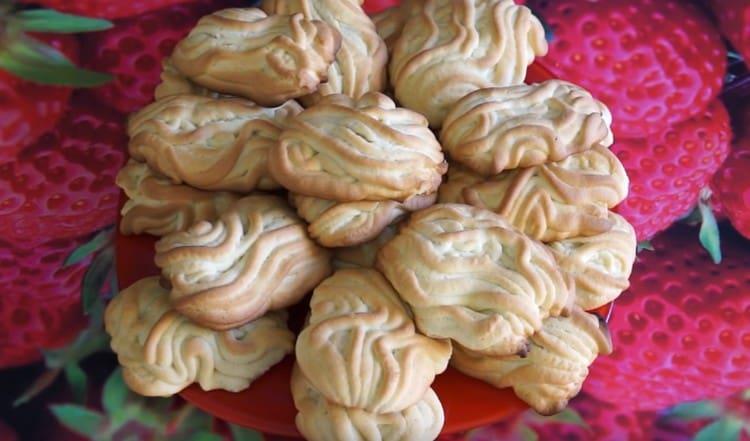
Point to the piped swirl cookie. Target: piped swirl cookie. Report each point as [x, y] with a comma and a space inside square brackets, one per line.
[343, 224]
[501, 128]
[350, 150]
[360, 62]
[319, 419]
[162, 351]
[469, 276]
[360, 348]
[450, 48]
[600, 264]
[256, 257]
[157, 206]
[363, 255]
[209, 143]
[548, 202]
[553, 367]
[267, 59]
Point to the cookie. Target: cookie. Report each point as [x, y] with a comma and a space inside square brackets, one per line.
[318, 419]
[552, 369]
[175, 83]
[360, 348]
[256, 257]
[157, 206]
[351, 150]
[267, 59]
[162, 352]
[209, 143]
[469, 276]
[363, 255]
[502, 128]
[345, 224]
[360, 62]
[450, 48]
[600, 264]
[553, 201]
[390, 22]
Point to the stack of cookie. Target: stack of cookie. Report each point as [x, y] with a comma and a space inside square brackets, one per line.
[272, 164]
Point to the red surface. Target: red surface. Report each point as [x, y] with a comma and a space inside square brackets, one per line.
[267, 404]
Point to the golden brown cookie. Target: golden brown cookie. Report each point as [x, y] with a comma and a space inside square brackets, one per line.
[450, 48]
[360, 62]
[390, 22]
[209, 143]
[175, 83]
[162, 352]
[318, 419]
[350, 150]
[157, 206]
[267, 59]
[469, 276]
[549, 202]
[501, 128]
[600, 264]
[360, 348]
[256, 257]
[345, 224]
[363, 255]
[552, 369]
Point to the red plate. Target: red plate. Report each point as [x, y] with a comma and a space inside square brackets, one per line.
[267, 404]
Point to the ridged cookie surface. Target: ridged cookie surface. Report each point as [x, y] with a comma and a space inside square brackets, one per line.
[162, 351]
[360, 348]
[469, 276]
[256, 257]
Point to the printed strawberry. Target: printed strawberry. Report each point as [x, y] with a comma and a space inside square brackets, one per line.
[682, 330]
[654, 63]
[63, 185]
[106, 8]
[731, 184]
[734, 22]
[722, 419]
[134, 49]
[37, 68]
[669, 169]
[29, 109]
[40, 307]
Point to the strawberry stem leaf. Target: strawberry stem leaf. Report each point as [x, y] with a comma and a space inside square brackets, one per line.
[39, 385]
[97, 243]
[35, 61]
[693, 411]
[95, 279]
[78, 419]
[76, 378]
[709, 232]
[724, 429]
[48, 20]
[644, 245]
[115, 393]
[526, 433]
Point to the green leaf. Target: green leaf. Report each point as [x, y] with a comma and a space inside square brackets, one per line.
[694, 411]
[115, 392]
[568, 416]
[48, 20]
[205, 435]
[78, 419]
[95, 278]
[709, 232]
[98, 242]
[243, 434]
[35, 61]
[41, 383]
[725, 429]
[526, 433]
[77, 381]
[644, 245]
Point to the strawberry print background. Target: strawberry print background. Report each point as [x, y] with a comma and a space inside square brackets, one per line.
[673, 74]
